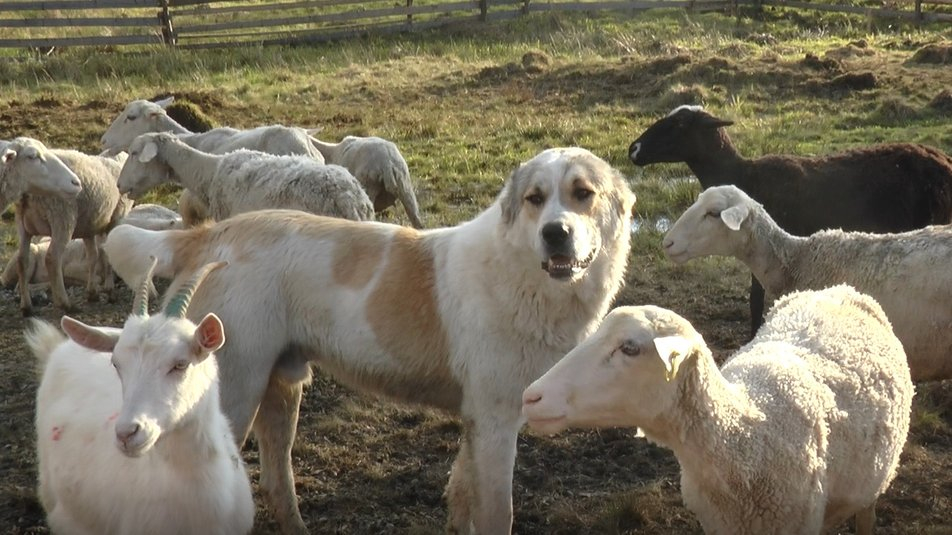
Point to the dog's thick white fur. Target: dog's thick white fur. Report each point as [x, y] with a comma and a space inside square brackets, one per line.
[460, 318]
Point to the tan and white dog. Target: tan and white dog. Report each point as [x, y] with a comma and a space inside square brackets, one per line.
[460, 318]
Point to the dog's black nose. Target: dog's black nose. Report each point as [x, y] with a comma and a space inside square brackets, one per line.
[556, 234]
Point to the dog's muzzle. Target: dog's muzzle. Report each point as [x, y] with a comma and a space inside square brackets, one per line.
[562, 263]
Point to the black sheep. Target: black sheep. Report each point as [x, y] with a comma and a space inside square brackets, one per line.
[885, 188]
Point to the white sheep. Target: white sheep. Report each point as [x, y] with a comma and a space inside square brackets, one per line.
[143, 117]
[146, 450]
[379, 167]
[244, 180]
[28, 166]
[75, 266]
[801, 428]
[907, 273]
[92, 213]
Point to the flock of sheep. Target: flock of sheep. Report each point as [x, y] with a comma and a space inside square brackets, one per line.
[801, 429]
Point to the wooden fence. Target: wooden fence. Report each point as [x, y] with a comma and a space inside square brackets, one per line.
[203, 24]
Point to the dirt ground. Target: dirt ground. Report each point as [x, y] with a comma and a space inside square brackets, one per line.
[364, 466]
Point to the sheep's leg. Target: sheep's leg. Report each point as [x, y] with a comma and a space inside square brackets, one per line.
[59, 238]
[756, 305]
[493, 452]
[92, 267]
[458, 494]
[866, 520]
[23, 268]
[275, 427]
[9, 277]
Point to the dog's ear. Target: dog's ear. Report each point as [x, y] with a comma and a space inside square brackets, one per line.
[510, 199]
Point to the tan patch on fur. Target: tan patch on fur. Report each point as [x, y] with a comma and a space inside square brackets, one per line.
[185, 247]
[356, 261]
[402, 311]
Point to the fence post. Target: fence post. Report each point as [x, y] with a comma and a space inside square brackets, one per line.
[409, 13]
[918, 12]
[165, 21]
[483, 10]
[525, 7]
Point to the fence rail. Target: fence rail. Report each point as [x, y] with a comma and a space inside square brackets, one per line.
[214, 23]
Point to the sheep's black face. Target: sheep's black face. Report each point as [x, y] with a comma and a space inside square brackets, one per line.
[678, 137]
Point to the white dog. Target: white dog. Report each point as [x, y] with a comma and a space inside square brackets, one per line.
[461, 318]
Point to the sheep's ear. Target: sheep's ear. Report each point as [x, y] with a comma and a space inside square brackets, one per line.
[707, 120]
[734, 216]
[88, 336]
[148, 152]
[672, 350]
[209, 336]
[9, 155]
[164, 103]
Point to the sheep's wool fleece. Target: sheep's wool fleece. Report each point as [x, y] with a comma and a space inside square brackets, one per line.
[829, 400]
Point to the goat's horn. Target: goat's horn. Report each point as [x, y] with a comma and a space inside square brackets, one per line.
[178, 305]
[140, 305]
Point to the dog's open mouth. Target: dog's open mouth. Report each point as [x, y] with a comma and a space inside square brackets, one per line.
[563, 267]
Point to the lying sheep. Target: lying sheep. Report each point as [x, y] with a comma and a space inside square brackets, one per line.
[143, 117]
[244, 180]
[885, 188]
[379, 167]
[907, 273]
[90, 214]
[801, 428]
[75, 265]
[130, 434]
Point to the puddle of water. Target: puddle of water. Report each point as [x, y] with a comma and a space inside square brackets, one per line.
[662, 224]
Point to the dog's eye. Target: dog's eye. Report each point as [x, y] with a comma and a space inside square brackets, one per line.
[535, 199]
[630, 348]
[583, 194]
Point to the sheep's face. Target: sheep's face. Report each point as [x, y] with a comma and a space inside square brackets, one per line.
[623, 375]
[164, 370]
[143, 169]
[565, 205]
[38, 170]
[680, 136]
[139, 117]
[710, 226]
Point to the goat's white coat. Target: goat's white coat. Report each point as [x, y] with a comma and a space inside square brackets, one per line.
[461, 318]
[192, 481]
[799, 430]
[907, 273]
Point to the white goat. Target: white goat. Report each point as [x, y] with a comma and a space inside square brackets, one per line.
[244, 180]
[146, 450]
[906, 272]
[379, 167]
[143, 117]
[92, 213]
[801, 428]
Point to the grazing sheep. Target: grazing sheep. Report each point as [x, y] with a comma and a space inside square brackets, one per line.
[92, 213]
[244, 180]
[130, 433]
[907, 273]
[885, 188]
[75, 267]
[801, 428]
[143, 117]
[459, 318]
[379, 167]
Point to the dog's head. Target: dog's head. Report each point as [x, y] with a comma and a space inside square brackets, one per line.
[567, 205]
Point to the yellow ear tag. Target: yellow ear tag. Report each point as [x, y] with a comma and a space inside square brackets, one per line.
[672, 349]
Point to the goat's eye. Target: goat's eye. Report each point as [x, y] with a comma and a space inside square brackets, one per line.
[179, 366]
[583, 194]
[130, 117]
[630, 348]
[713, 213]
[535, 199]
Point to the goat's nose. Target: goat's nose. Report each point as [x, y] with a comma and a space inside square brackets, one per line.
[529, 397]
[126, 431]
[556, 234]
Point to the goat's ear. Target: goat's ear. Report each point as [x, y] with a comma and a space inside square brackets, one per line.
[9, 155]
[673, 350]
[164, 103]
[707, 120]
[88, 336]
[148, 152]
[209, 336]
[734, 216]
